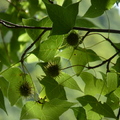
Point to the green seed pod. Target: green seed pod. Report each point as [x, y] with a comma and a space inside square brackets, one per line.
[25, 89]
[72, 39]
[52, 69]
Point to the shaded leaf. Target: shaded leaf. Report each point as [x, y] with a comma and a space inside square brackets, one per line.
[98, 7]
[80, 113]
[98, 107]
[2, 104]
[63, 18]
[49, 111]
[4, 85]
[82, 22]
[53, 89]
[113, 100]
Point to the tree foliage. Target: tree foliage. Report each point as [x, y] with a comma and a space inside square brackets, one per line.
[49, 38]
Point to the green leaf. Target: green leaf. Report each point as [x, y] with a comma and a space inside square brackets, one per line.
[82, 22]
[98, 107]
[98, 7]
[113, 100]
[66, 3]
[33, 6]
[67, 81]
[53, 89]
[2, 104]
[80, 113]
[15, 77]
[63, 18]
[93, 86]
[117, 92]
[4, 56]
[34, 33]
[116, 66]
[49, 111]
[4, 85]
[48, 48]
[112, 81]
[79, 58]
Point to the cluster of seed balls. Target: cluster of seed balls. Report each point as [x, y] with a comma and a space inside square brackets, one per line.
[53, 69]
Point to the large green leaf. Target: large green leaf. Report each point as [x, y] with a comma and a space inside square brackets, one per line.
[93, 86]
[67, 81]
[2, 104]
[15, 77]
[53, 89]
[98, 7]
[49, 111]
[34, 33]
[98, 107]
[63, 18]
[79, 58]
[48, 48]
[4, 85]
[112, 81]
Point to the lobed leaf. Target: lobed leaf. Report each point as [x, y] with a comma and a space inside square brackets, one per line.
[102, 109]
[49, 111]
[93, 86]
[63, 18]
[15, 77]
[53, 89]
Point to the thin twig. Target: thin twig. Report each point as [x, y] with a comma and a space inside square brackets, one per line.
[27, 49]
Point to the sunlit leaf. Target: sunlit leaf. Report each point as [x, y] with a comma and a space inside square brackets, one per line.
[48, 48]
[34, 33]
[15, 77]
[93, 86]
[2, 104]
[67, 81]
[79, 58]
[98, 107]
[53, 89]
[49, 111]
[63, 18]
[117, 92]
[112, 81]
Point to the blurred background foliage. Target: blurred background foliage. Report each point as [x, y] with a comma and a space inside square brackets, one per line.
[15, 10]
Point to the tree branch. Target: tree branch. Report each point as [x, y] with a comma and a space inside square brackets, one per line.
[12, 25]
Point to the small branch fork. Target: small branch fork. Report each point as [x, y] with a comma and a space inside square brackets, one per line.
[89, 30]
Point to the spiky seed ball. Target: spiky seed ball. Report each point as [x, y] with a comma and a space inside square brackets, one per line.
[25, 89]
[72, 39]
[53, 69]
